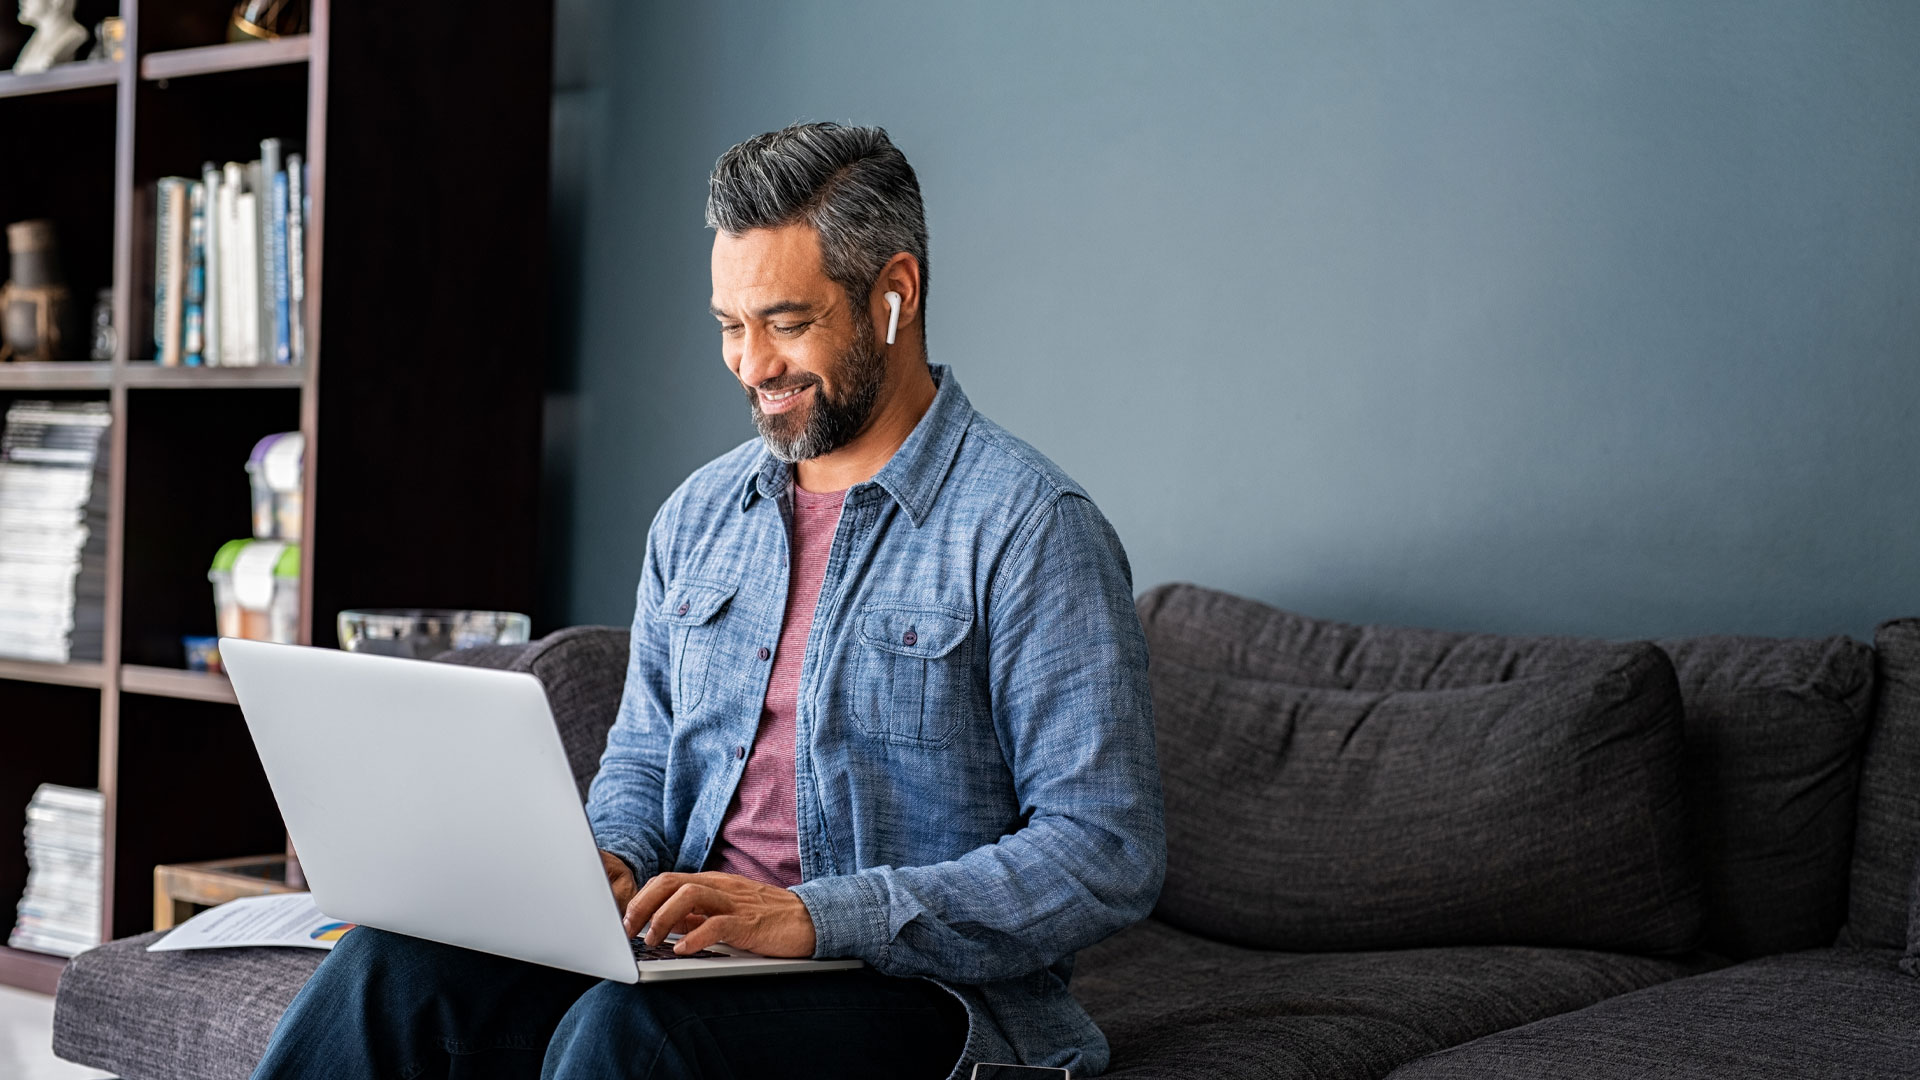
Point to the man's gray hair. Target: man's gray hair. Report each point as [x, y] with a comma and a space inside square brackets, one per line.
[851, 184]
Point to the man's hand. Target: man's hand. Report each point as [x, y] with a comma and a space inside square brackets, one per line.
[621, 878]
[714, 907]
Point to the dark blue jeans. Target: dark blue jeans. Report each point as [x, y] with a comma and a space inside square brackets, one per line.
[398, 1008]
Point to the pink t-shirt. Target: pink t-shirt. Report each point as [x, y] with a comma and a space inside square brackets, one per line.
[758, 837]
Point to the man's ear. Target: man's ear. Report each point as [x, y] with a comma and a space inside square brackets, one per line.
[901, 275]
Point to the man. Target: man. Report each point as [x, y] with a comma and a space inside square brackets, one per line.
[887, 699]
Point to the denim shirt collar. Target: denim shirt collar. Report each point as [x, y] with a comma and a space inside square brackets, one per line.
[915, 472]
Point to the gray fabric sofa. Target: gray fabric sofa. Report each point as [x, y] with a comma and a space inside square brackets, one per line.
[1397, 851]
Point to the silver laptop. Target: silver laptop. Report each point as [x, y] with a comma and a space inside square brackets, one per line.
[435, 800]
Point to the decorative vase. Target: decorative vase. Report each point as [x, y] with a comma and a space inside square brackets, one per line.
[34, 303]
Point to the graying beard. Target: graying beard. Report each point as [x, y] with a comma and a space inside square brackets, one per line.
[831, 424]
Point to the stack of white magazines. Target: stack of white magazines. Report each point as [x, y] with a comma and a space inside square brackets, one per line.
[53, 530]
[60, 911]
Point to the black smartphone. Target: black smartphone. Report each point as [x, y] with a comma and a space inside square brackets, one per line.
[987, 1070]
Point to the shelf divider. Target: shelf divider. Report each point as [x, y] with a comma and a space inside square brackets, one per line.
[177, 683]
[75, 673]
[72, 76]
[56, 375]
[233, 56]
[149, 374]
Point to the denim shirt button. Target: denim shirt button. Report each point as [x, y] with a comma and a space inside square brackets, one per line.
[764, 652]
[739, 752]
[909, 638]
[681, 610]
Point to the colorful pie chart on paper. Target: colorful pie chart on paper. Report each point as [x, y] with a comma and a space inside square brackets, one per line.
[332, 931]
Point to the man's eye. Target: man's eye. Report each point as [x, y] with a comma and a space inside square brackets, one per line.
[794, 328]
[729, 329]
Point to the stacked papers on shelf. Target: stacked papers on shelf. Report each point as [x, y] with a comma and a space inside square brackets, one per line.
[53, 530]
[60, 910]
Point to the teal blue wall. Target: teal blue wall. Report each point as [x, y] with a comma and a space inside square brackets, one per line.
[1587, 317]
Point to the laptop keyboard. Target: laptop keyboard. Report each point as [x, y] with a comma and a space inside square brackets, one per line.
[664, 951]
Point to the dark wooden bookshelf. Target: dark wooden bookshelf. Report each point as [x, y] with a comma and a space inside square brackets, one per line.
[426, 148]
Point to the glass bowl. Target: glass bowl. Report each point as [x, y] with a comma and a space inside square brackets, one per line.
[424, 633]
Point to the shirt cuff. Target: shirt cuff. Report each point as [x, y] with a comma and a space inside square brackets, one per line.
[630, 853]
[849, 916]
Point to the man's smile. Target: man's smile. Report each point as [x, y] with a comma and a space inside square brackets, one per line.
[779, 401]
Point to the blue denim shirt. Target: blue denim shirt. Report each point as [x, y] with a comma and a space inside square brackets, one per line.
[978, 796]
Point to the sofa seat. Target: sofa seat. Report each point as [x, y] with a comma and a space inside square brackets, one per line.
[1823, 1013]
[175, 1015]
[1176, 1005]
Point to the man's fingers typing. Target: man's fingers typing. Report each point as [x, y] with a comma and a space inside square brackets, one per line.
[685, 900]
[709, 932]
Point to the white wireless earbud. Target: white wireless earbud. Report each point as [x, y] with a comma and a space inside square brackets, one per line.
[893, 320]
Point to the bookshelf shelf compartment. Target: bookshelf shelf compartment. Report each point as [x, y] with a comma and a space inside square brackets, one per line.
[56, 375]
[212, 59]
[76, 673]
[176, 683]
[74, 76]
[150, 375]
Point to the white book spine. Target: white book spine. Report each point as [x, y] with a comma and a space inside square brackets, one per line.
[247, 256]
[233, 266]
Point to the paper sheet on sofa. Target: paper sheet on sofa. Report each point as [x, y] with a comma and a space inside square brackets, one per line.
[278, 919]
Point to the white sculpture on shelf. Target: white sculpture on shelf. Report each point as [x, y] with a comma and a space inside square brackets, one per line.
[56, 36]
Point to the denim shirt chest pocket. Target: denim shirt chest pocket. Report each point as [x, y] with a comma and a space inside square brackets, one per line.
[915, 680]
[693, 610]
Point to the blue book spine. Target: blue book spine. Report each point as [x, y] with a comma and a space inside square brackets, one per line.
[277, 252]
[193, 333]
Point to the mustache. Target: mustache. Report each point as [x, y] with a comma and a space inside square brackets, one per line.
[780, 383]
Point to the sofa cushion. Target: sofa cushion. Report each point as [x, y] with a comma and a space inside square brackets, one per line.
[1176, 1005]
[1887, 835]
[1818, 1014]
[583, 669]
[203, 1015]
[1542, 811]
[1775, 730]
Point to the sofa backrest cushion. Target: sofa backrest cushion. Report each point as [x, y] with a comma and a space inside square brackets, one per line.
[1887, 835]
[1542, 810]
[583, 669]
[1775, 729]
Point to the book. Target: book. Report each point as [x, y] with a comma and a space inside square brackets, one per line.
[169, 199]
[210, 179]
[60, 910]
[246, 260]
[193, 327]
[260, 182]
[297, 256]
[277, 258]
[233, 269]
[53, 513]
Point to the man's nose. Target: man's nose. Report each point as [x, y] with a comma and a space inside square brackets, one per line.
[759, 361]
